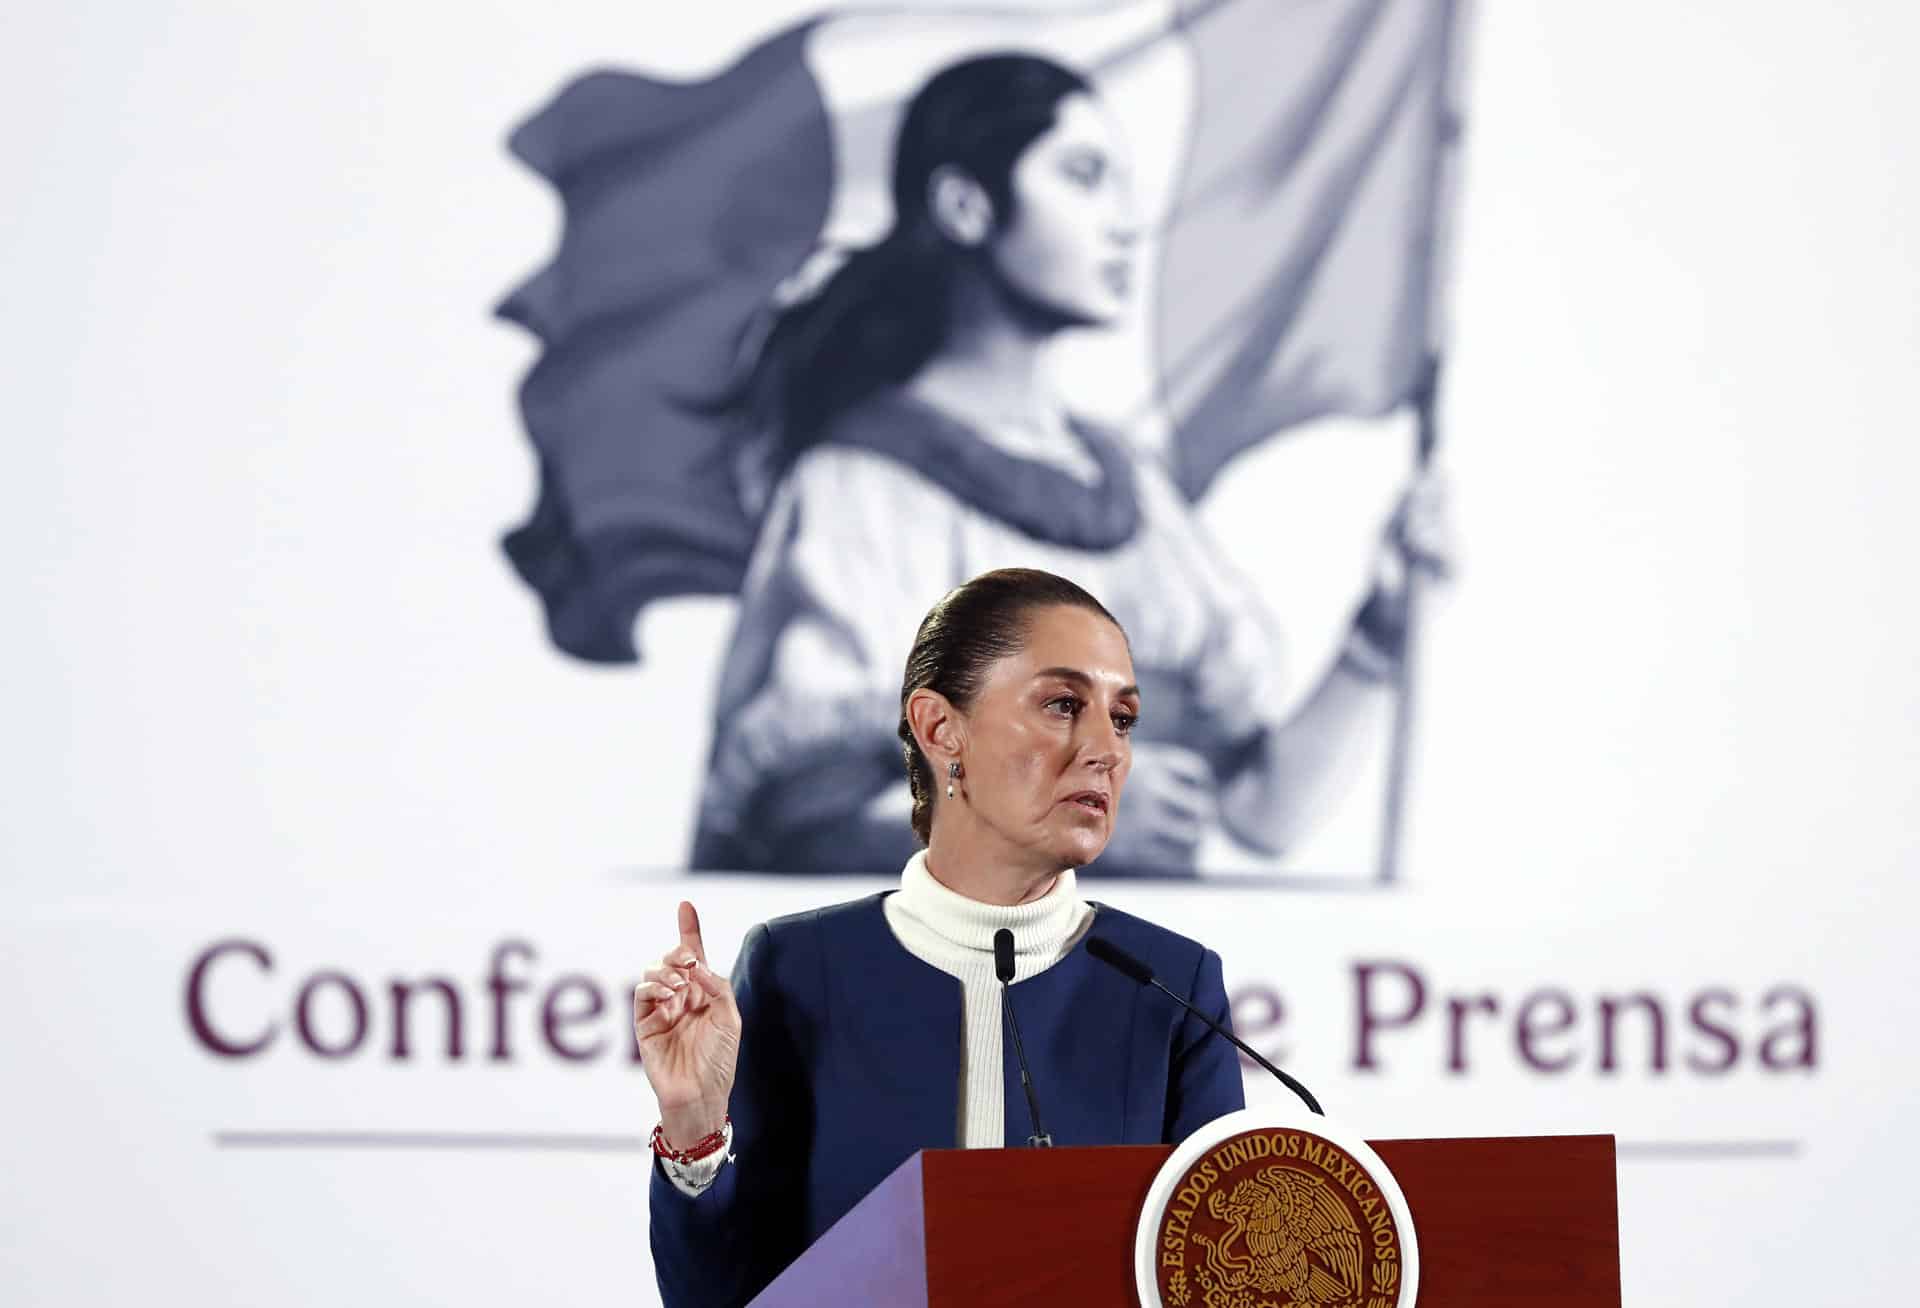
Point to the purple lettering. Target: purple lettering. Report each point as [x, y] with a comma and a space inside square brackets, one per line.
[1457, 1011]
[202, 1024]
[1372, 1016]
[553, 1020]
[1722, 1036]
[1793, 1044]
[1610, 1010]
[303, 1014]
[1258, 1011]
[1532, 1027]
[403, 994]
[500, 985]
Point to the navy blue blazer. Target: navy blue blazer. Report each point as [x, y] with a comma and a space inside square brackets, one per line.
[850, 1062]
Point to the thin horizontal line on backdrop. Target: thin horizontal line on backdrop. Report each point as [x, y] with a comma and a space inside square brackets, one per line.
[428, 1140]
[1689, 1150]
[1216, 880]
[1628, 1150]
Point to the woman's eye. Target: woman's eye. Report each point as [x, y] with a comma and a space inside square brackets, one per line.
[1087, 170]
[1065, 703]
[1124, 722]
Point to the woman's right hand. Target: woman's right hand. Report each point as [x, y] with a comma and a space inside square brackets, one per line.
[688, 1029]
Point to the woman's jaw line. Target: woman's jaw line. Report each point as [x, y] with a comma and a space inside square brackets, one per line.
[983, 864]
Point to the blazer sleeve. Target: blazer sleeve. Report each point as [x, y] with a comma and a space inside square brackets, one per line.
[719, 1249]
[1206, 1069]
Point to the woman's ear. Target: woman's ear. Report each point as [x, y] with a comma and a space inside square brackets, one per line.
[960, 206]
[937, 726]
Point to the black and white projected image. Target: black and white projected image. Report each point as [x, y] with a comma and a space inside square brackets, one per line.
[897, 299]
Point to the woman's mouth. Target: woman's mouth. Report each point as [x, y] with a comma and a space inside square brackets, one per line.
[1091, 800]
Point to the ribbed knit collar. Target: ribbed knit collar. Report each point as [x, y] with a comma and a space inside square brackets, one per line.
[1040, 927]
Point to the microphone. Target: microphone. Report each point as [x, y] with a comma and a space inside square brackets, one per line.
[1127, 965]
[1003, 968]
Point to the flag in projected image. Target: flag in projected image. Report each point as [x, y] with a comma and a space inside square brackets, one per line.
[1262, 179]
[1295, 272]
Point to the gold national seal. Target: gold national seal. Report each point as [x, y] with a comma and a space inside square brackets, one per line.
[1277, 1218]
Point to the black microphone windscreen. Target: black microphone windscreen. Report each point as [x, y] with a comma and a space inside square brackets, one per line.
[1003, 954]
[1114, 956]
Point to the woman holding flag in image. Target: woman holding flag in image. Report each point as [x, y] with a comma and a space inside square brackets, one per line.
[915, 441]
[884, 427]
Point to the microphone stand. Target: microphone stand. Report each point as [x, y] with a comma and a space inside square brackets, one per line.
[1003, 968]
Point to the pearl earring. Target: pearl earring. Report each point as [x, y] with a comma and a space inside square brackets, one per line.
[953, 770]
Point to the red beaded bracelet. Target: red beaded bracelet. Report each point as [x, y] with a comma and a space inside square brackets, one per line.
[703, 1147]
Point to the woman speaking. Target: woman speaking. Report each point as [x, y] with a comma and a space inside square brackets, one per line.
[851, 1036]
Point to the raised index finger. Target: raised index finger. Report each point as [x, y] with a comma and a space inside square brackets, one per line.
[690, 932]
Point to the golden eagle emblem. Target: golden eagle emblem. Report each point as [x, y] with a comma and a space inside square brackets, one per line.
[1286, 1232]
[1273, 1218]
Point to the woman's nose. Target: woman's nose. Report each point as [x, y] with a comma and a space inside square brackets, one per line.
[1123, 216]
[1104, 745]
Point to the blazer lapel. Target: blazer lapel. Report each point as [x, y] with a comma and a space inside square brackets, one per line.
[896, 1026]
[1078, 1023]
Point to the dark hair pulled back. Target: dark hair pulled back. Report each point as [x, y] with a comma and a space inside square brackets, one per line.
[972, 627]
[885, 313]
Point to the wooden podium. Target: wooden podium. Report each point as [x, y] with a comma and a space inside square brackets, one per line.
[1501, 1223]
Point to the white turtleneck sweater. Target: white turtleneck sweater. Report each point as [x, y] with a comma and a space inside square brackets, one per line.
[945, 929]
[955, 934]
